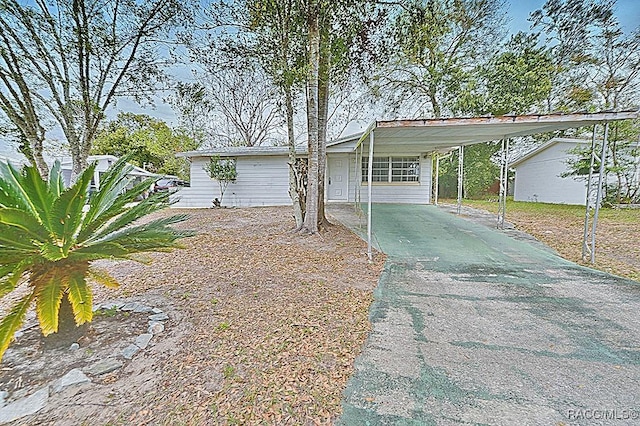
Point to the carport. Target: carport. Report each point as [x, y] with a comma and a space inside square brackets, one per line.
[442, 135]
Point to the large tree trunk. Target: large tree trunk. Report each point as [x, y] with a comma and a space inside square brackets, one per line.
[33, 150]
[294, 192]
[311, 215]
[79, 155]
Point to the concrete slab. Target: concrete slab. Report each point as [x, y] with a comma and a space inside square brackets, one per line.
[473, 326]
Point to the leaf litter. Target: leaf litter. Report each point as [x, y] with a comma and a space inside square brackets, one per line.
[264, 328]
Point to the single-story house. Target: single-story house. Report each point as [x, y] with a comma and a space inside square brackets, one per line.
[103, 163]
[400, 175]
[539, 174]
[403, 153]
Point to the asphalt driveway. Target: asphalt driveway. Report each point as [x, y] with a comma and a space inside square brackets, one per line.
[472, 326]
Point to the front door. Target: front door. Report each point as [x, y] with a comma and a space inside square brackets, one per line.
[338, 177]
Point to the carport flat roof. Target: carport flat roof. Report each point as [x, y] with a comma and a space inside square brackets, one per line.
[446, 133]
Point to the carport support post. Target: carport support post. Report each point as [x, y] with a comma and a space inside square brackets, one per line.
[586, 248]
[603, 159]
[460, 176]
[369, 192]
[504, 182]
[436, 173]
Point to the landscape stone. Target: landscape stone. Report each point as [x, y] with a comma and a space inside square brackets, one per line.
[156, 310]
[111, 305]
[103, 367]
[155, 327]
[129, 306]
[143, 309]
[142, 341]
[130, 351]
[73, 377]
[74, 347]
[159, 317]
[25, 406]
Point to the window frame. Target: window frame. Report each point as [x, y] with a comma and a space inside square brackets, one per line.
[398, 175]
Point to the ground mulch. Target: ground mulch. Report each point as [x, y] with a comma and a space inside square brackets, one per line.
[278, 319]
[265, 326]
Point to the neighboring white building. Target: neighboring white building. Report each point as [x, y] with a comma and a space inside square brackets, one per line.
[103, 163]
[539, 174]
[263, 176]
[14, 162]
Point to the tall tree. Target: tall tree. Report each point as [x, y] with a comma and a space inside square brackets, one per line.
[246, 114]
[190, 103]
[440, 43]
[597, 66]
[148, 142]
[70, 59]
[275, 37]
[570, 27]
[310, 44]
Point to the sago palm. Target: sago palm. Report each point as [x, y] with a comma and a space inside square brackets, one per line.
[49, 237]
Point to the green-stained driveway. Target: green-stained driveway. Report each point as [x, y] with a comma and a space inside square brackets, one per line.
[471, 326]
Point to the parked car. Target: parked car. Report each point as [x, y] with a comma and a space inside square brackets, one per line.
[170, 185]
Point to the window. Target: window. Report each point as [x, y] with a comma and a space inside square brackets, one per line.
[392, 169]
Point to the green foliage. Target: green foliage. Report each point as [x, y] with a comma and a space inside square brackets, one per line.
[440, 45]
[49, 237]
[65, 62]
[572, 29]
[519, 78]
[149, 143]
[223, 171]
[622, 166]
[480, 172]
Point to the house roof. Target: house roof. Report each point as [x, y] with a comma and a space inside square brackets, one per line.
[540, 148]
[12, 161]
[447, 133]
[241, 151]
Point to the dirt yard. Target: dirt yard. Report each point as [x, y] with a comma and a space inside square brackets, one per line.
[264, 326]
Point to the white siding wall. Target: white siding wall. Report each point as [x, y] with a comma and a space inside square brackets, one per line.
[538, 178]
[409, 193]
[262, 181]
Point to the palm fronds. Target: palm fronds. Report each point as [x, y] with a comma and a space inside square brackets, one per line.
[49, 236]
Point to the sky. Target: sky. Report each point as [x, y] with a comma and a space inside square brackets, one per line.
[627, 11]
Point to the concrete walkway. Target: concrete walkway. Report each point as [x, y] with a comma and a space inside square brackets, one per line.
[472, 326]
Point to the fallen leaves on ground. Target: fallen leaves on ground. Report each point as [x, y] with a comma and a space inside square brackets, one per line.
[277, 320]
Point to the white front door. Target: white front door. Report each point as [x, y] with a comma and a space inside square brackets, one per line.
[338, 177]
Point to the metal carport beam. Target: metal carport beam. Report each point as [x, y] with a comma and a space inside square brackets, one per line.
[504, 182]
[369, 191]
[460, 177]
[591, 244]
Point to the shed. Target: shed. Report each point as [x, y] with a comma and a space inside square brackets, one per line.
[539, 174]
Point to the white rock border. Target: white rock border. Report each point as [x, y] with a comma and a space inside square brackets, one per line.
[35, 402]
